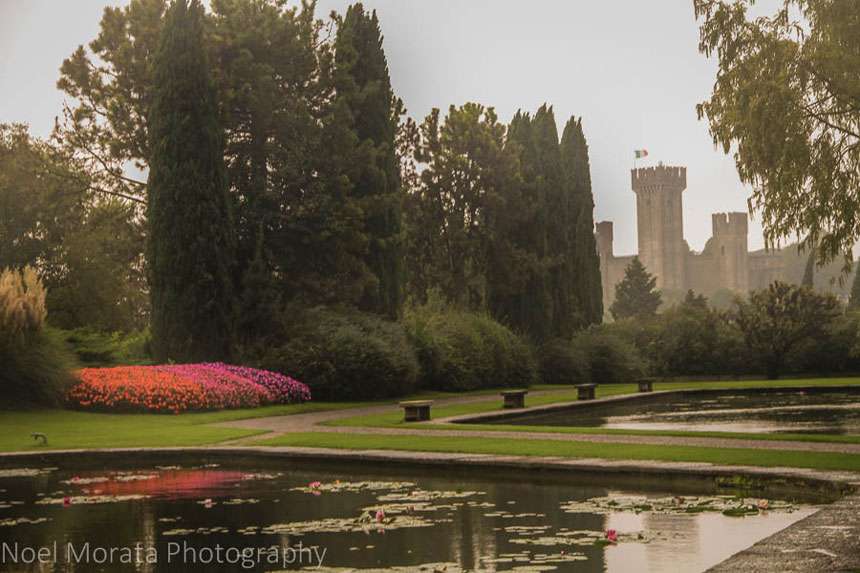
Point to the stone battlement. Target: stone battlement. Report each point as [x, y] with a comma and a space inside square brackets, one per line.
[660, 176]
[729, 223]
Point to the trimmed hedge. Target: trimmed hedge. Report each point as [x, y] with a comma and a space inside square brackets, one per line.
[462, 351]
[342, 354]
[560, 362]
[611, 356]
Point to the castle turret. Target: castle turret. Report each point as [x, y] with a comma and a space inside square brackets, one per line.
[660, 223]
[730, 249]
[604, 238]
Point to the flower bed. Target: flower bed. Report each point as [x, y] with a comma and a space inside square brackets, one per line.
[182, 387]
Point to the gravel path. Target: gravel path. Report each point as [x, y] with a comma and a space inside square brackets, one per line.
[312, 422]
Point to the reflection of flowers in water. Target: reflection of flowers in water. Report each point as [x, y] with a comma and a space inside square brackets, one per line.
[168, 483]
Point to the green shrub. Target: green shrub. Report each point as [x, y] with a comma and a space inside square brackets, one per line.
[838, 350]
[341, 354]
[694, 341]
[463, 351]
[611, 356]
[97, 349]
[35, 367]
[560, 362]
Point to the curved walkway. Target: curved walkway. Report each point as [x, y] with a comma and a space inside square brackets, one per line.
[313, 422]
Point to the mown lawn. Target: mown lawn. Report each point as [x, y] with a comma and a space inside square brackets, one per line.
[537, 447]
[69, 429]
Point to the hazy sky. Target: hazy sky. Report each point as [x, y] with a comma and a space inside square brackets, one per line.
[630, 68]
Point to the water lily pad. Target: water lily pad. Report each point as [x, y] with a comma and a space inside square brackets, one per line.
[357, 486]
[25, 472]
[22, 521]
[340, 525]
[89, 500]
[667, 504]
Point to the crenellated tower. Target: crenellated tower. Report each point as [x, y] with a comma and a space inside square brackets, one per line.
[660, 223]
[604, 238]
[730, 249]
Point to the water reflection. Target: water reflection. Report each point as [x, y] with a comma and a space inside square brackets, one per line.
[758, 412]
[378, 519]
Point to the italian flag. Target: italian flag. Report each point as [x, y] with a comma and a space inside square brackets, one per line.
[640, 153]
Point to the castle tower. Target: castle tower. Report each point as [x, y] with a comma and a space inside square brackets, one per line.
[660, 223]
[604, 238]
[730, 249]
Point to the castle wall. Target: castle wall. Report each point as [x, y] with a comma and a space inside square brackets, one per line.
[703, 273]
[764, 268]
[725, 264]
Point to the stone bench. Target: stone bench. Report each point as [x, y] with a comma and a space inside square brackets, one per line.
[515, 398]
[416, 410]
[585, 391]
[645, 384]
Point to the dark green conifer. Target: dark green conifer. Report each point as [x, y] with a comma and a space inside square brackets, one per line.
[530, 309]
[635, 295]
[190, 245]
[557, 213]
[363, 87]
[587, 290]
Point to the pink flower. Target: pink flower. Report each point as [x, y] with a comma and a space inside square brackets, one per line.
[314, 485]
[762, 504]
[67, 502]
[207, 503]
[75, 479]
[611, 535]
[380, 515]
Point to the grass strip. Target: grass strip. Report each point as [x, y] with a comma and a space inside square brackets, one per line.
[553, 448]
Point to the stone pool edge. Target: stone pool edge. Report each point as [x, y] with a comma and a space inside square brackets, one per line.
[824, 541]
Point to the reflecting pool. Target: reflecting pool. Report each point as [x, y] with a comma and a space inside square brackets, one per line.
[292, 516]
[836, 412]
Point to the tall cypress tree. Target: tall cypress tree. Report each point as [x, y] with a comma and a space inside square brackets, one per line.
[586, 261]
[363, 87]
[190, 244]
[530, 310]
[556, 212]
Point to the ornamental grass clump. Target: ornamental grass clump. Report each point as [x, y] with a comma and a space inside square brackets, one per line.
[22, 304]
[35, 366]
[176, 388]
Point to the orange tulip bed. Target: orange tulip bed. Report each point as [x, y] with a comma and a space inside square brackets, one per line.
[182, 387]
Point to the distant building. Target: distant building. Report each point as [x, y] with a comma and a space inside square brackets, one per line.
[724, 264]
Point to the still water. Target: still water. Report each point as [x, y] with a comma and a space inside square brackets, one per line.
[290, 516]
[720, 411]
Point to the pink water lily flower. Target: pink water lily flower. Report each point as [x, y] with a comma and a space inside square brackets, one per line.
[763, 504]
[314, 485]
[67, 502]
[380, 515]
[611, 535]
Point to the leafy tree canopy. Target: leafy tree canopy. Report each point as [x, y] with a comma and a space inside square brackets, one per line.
[787, 101]
[778, 320]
